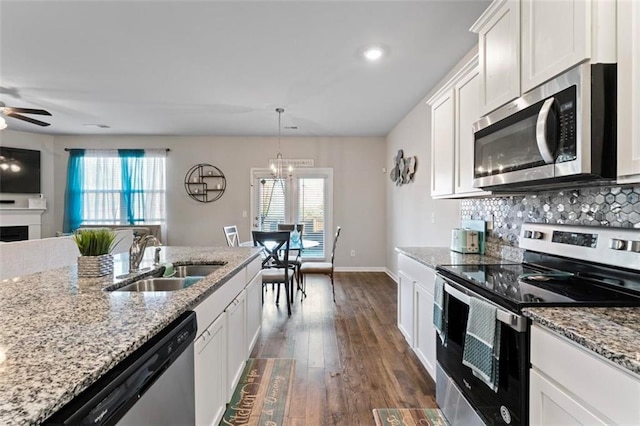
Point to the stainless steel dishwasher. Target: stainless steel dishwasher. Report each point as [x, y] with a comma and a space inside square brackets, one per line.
[152, 386]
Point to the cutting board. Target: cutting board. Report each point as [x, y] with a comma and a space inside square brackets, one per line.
[477, 225]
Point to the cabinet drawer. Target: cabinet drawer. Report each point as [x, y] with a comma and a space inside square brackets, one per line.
[416, 270]
[211, 307]
[608, 389]
[253, 268]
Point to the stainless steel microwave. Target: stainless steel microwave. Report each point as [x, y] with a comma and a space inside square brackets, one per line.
[559, 134]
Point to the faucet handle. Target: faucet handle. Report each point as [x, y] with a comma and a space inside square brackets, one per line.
[156, 256]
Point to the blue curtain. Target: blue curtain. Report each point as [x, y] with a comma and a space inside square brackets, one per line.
[132, 184]
[73, 197]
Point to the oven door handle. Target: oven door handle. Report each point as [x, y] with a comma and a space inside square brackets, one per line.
[517, 322]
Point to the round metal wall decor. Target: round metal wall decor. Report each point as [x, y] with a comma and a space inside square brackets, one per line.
[205, 183]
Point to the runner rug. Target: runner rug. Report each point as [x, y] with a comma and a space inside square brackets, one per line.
[263, 393]
[409, 417]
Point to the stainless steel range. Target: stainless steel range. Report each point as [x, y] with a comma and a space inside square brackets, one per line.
[563, 266]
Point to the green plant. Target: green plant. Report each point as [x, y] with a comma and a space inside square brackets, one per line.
[94, 242]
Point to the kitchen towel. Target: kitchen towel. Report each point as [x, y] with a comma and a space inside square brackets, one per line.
[439, 315]
[482, 342]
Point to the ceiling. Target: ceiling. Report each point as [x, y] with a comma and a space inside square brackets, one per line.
[222, 67]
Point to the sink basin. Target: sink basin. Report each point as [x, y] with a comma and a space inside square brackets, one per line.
[158, 284]
[195, 270]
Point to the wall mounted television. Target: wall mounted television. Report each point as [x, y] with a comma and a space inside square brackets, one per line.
[19, 171]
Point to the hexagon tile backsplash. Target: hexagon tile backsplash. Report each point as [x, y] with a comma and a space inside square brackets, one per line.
[599, 206]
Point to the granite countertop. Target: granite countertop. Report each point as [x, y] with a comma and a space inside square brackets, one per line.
[59, 333]
[434, 256]
[613, 333]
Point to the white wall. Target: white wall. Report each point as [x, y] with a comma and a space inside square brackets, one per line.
[359, 196]
[410, 207]
[44, 144]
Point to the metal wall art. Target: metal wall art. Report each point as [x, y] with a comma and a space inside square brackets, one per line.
[205, 183]
[404, 169]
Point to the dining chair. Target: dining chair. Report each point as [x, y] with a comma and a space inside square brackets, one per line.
[324, 268]
[275, 264]
[297, 261]
[231, 235]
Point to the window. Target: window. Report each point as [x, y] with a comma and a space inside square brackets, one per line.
[305, 198]
[115, 187]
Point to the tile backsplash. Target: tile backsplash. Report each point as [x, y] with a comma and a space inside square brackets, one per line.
[598, 206]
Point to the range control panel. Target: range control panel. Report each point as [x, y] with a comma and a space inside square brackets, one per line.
[607, 245]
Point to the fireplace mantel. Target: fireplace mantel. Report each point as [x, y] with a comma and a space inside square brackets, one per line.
[23, 216]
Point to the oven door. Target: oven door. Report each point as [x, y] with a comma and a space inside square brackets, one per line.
[509, 405]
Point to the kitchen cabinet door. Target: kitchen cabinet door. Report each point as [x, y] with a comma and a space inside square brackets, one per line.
[442, 144]
[253, 311]
[211, 373]
[467, 92]
[405, 306]
[556, 35]
[236, 341]
[550, 405]
[628, 91]
[499, 49]
[425, 332]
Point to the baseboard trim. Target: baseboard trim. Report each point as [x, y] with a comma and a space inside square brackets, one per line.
[391, 275]
[360, 269]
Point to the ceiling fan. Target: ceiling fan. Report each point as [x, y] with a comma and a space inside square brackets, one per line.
[15, 112]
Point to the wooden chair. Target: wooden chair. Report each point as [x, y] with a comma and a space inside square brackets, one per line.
[231, 235]
[275, 264]
[297, 261]
[324, 268]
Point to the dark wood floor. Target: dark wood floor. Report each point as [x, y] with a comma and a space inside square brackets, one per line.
[350, 356]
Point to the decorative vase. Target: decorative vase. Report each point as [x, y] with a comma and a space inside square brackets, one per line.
[95, 266]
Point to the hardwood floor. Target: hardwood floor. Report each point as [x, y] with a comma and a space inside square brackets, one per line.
[350, 356]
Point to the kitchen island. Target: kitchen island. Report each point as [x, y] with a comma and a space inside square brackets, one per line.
[60, 334]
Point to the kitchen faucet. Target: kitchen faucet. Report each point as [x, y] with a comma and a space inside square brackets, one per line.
[136, 251]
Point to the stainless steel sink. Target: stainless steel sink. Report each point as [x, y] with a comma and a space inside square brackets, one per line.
[158, 284]
[196, 270]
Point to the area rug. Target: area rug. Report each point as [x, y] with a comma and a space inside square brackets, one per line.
[409, 417]
[263, 393]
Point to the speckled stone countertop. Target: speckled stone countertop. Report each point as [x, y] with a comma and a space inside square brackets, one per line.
[434, 256]
[60, 333]
[613, 333]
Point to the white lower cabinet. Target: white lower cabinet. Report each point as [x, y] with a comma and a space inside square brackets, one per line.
[570, 385]
[405, 306]
[236, 341]
[211, 373]
[227, 331]
[415, 310]
[424, 332]
[254, 311]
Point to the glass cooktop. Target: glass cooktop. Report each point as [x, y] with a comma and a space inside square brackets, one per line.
[519, 285]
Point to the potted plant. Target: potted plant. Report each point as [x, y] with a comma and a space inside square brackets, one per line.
[95, 246]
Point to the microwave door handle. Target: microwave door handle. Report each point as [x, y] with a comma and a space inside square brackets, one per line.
[541, 131]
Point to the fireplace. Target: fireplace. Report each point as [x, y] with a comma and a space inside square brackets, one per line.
[14, 233]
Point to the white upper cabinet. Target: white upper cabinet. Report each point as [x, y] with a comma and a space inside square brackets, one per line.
[467, 112]
[524, 43]
[628, 91]
[556, 35]
[442, 144]
[499, 48]
[454, 109]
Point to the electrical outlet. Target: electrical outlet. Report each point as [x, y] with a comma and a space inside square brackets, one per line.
[244, 213]
[490, 223]
[353, 253]
[433, 217]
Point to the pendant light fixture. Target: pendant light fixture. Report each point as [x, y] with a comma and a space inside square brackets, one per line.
[277, 167]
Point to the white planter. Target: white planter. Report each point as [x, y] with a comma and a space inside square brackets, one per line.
[95, 266]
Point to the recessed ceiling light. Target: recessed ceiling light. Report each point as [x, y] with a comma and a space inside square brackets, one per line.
[100, 126]
[373, 54]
